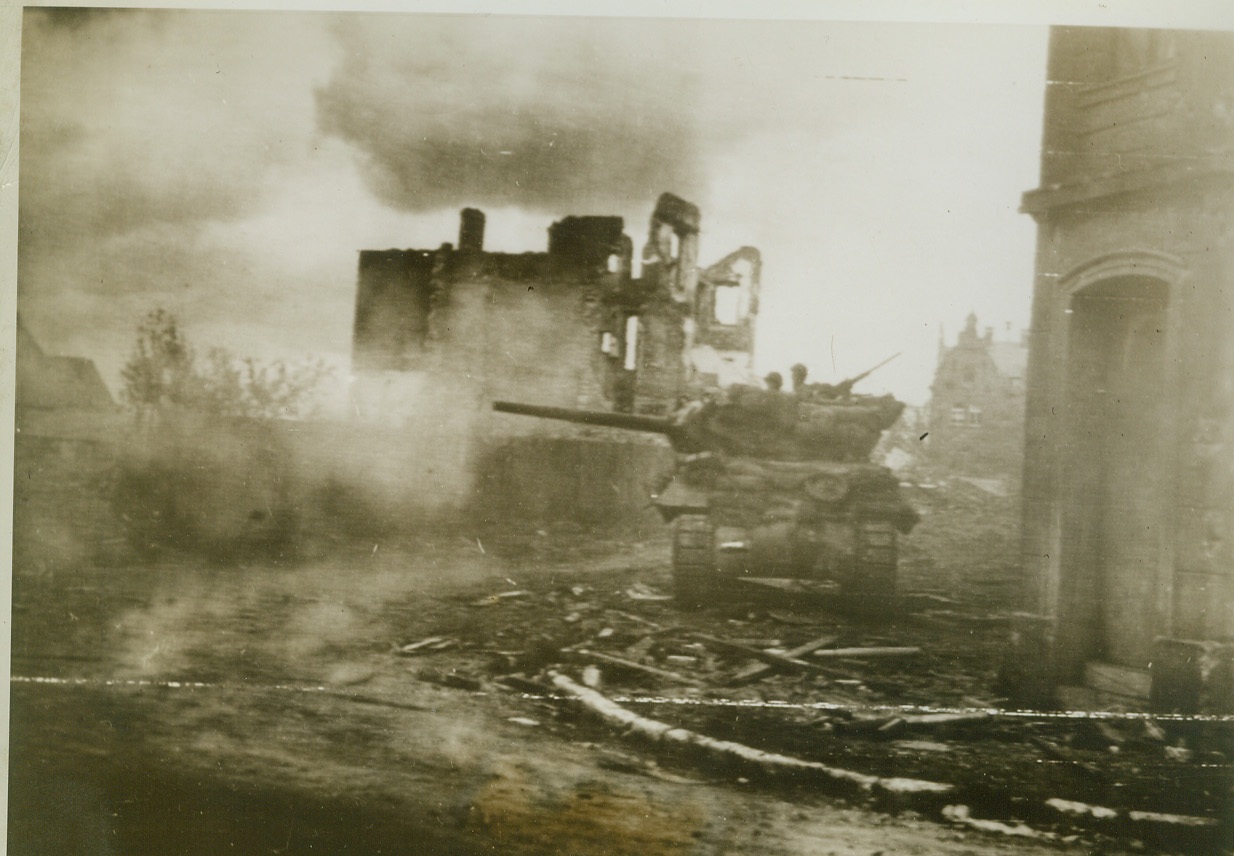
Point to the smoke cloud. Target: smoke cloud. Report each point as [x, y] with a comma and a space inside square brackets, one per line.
[227, 166]
[549, 115]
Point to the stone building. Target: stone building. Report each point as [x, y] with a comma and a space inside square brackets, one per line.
[1129, 461]
[439, 334]
[976, 413]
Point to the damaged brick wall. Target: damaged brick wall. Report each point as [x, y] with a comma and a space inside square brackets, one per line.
[393, 303]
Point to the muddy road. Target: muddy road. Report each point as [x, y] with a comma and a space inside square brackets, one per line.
[180, 707]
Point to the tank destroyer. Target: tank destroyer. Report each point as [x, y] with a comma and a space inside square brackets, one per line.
[773, 484]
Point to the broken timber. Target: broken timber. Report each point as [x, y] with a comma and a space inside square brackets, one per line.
[662, 674]
[857, 653]
[788, 659]
[770, 660]
[933, 719]
[770, 762]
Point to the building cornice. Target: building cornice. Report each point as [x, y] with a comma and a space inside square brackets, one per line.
[1044, 201]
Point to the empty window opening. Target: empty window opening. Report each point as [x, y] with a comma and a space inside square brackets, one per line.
[631, 356]
[728, 305]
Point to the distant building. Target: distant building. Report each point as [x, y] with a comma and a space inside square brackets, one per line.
[976, 412]
[1129, 463]
[46, 382]
[61, 398]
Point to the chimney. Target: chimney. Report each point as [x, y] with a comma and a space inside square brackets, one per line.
[471, 230]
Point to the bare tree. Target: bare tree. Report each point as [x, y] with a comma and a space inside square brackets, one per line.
[164, 371]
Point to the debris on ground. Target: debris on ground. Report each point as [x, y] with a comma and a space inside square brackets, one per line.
[641, 591]
[432, 643]
[960, 814]
[672, 678]
[490, 600]
[892, 700]
[858, 653]
[768, 762]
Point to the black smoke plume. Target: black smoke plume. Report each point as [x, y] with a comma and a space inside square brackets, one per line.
[542, 114]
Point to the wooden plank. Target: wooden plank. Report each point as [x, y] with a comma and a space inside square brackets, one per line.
[1117, 680]
[768, 662]
[662, 674]
[931, 719]
[868, 652]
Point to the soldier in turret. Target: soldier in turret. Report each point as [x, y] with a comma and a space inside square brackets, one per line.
[799, 372]
[774, 381]
[816, 391]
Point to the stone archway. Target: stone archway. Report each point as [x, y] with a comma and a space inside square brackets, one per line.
[1118, 395]
[1116, 467]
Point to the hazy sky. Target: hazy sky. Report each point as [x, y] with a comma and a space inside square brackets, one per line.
[229, 166]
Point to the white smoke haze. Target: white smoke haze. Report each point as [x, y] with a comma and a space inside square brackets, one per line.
[291, 622]
[229, 165]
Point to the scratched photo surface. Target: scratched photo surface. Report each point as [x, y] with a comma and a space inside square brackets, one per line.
[493, 434]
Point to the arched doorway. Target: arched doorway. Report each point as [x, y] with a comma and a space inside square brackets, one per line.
[1116, 467]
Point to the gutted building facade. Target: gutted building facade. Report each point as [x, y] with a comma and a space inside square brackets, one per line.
[570, 326]
[976, 417]
[1129, 461]
[441, 333]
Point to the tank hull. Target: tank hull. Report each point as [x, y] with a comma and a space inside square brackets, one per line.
[773, 485]
[741, 518]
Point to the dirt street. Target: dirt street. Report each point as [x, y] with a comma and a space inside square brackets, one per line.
[179, 707]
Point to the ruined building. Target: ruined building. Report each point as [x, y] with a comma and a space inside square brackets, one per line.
[441, 333]
[570, 326]
[1129, 463]
[976, 413]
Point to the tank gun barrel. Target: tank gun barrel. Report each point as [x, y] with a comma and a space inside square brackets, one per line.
[623, 421]
[849, 383]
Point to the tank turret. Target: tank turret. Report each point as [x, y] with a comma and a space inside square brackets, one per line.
[751, 423]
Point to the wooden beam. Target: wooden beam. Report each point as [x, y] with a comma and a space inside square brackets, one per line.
[868, 652]
[654, 730]
[662, 674]
[768, 661]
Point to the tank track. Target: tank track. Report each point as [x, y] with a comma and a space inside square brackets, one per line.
[877, 554]
[694, 559]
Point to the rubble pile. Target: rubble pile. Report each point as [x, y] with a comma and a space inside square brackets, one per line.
[900, 712]
[966, 547]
